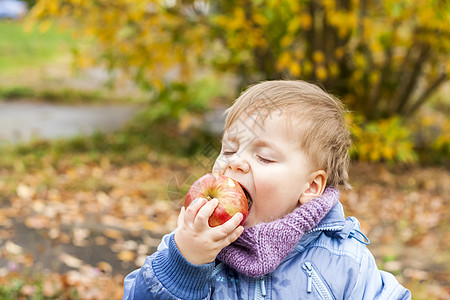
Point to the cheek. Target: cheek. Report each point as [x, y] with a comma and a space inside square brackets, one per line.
[220, 165]
[279, 188]
[269, 191]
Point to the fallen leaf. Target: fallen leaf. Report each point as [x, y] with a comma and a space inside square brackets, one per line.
[70, 260]
[100, 240]
[28, 290]
[13, 248]
[37, 222]
[105, 267]
[126, 255]
[415, 274]
[112, 233]
[24, 192]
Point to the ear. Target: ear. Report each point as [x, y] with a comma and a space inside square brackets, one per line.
[315, 187]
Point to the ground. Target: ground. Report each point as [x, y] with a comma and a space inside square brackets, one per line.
[86, 226]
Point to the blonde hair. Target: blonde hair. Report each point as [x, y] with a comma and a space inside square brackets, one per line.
[317, 118]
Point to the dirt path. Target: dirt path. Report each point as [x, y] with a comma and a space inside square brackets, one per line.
[23, 121]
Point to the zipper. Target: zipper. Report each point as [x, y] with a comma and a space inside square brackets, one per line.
[217, 269]
[260, 291]
[334, 228]
[314, 278]
[309, 279]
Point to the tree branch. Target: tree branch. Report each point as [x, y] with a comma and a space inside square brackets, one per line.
[426, 94]
[375, 94]
[405, 89]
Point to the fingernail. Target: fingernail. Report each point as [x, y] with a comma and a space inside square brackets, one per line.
[196, 200]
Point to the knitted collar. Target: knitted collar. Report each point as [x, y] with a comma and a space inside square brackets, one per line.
[261, 249]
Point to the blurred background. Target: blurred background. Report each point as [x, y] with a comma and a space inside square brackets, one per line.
[109, 109]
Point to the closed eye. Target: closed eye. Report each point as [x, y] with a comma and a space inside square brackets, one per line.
[265, 160]
[228, 153]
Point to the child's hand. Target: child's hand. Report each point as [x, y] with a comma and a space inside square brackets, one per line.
[198, 242]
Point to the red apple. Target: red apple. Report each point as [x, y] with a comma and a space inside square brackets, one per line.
[231, 196]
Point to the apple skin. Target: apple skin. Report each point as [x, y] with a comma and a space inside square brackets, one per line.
[228, 191]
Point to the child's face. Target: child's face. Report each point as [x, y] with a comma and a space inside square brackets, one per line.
[265, 159]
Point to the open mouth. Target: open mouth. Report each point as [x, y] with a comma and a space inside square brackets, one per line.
[249, 198]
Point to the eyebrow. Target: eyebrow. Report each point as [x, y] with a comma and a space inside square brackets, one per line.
[263, 143]
[257, 142]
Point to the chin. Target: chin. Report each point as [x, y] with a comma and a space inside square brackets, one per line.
[249, 222]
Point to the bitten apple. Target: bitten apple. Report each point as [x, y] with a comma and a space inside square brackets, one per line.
[231, 196]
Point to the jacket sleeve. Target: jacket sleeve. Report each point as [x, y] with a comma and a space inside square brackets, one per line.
[168, 275]
[373, 283]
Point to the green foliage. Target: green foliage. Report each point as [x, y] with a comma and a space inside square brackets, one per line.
[442, 143]
[30, 3]
[384, 140]
[15, 92]
[178, 99]
[423, 138]
[371, 53]
[432, 138]
[55, 95]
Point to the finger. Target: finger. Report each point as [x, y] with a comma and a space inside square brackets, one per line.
[234, 235]
[192, 210]
[201, 220]
[229, 226]
[181, 216]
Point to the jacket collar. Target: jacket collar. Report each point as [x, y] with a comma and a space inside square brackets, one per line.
[333, 223]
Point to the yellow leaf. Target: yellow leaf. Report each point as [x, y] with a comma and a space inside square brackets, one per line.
[149, 225]
[105, 267]
[260, 19]
[126, 255]
[286, 41]
[307, 67]
[321, 73]
[318, 56]
[334, 69]
[306, 21]
[339, 52]
[294, 68]
[112, 233]
[284, 60]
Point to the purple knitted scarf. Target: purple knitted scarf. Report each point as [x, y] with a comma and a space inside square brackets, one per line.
[260, 249]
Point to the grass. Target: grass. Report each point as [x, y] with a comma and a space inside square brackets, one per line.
[20, 49]
[38, 66]
[64, 95]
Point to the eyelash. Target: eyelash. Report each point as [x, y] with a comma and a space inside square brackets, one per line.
[228, 153]
[266, 161]
[262, 159]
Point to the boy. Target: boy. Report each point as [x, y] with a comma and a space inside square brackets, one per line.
[286, 143]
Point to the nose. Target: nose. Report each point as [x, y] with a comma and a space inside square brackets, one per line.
[238, 163]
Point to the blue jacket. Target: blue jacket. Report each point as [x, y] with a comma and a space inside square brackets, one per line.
[330, 262]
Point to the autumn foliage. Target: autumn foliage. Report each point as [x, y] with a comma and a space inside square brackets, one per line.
[385, 57]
